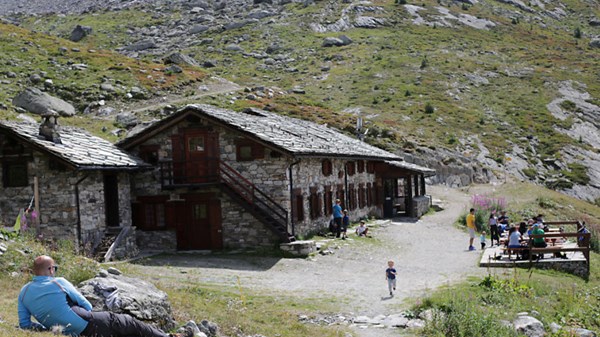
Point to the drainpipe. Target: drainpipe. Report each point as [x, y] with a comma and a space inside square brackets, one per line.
[78, 208]
[292, 197]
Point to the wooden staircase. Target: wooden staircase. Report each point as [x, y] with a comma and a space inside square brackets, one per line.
[255, 201]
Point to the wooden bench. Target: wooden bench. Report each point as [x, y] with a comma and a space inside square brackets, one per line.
[583, 245]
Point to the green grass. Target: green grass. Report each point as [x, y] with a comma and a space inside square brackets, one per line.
[476, 307]
[236, 309]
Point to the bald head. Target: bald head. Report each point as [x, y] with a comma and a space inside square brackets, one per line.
[42, 265]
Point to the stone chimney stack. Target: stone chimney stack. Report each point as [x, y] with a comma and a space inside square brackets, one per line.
[49, 127]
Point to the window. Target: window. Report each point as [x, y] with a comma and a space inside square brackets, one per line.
[14, 174]
[247, 150]
[196, 144]
[149, 213]
[327, 167]
[370, 167]
[361, 196]
[350, 168]
[351, 197]
[315, 204]
[369, 195]
[149, 153]
[360, 166]
[327, 201]
[245, 153]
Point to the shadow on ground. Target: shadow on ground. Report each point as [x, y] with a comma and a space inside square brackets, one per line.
[218, 260]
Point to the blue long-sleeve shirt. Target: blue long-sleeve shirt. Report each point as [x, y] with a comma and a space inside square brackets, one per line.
[45, 300]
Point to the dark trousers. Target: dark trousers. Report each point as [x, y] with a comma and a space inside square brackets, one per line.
[494, 235]
[109, 324]
[337, 222]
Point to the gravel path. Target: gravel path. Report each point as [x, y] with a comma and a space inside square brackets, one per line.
[428, 253]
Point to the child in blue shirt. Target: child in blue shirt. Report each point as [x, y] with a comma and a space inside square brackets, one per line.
[390, 276]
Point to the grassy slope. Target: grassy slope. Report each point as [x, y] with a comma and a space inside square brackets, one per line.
[382, 65]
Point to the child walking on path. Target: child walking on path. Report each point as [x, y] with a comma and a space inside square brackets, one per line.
[390, 276]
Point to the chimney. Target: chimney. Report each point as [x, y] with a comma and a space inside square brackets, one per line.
[49, 127]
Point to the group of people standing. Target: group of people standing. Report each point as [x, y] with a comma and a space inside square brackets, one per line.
[498, 225]
[341, 222]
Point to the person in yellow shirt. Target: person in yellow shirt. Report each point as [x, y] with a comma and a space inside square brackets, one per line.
[471, 227]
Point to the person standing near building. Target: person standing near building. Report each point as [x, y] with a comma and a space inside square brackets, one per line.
[337, 217]
[471, 227]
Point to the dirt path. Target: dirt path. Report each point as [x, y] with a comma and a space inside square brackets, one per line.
[428, 253]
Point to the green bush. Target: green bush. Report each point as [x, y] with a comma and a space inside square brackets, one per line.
[429, 109]
[530, 172]
[577, 33]
[577, 173]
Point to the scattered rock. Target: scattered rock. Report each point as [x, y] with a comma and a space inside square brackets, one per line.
[595, 43]
[79, 32]
[179, 59]
[139, 46]
[126, 120]
[529, 326]
[38, 102]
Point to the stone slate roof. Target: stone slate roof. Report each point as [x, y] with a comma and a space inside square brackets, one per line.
[427, 172]
[78, 148]
[297, 137]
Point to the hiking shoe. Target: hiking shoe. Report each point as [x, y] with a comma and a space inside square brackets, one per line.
[471, 248]
[191, 325]
[391, 294]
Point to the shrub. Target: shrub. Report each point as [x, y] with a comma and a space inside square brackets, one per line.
[577, 33]
[424, 63]
[401, 2]
[483, 206]
[568, 105]
[530, 172]
[577, 173]
[429, 109]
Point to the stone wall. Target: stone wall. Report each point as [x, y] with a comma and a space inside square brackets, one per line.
[420, 205]
[58, 204]
[308, 173]
[157, 240]
[241, 229]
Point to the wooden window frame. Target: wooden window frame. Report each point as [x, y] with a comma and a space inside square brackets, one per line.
[257, 151]
[360, 166]
[154, 202]
[327, 167]
[149, 153]
[350, 168]
[12, 173]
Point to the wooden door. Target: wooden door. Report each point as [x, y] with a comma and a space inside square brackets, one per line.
[201, 226]
[200, 156]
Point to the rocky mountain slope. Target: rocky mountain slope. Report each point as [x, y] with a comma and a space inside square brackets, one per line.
[478, 89]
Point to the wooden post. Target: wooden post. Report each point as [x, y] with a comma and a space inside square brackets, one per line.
[36, 203]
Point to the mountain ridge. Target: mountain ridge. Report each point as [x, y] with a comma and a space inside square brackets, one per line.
[475, 89]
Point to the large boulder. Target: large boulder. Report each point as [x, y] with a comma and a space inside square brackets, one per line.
[595, 43]
[79, 32]
[529, 326]
[36, 101]
[127, 295]
[180, 59]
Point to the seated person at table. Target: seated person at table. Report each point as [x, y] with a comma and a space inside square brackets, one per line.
[538, 242]
[502, 222]
[514, 238]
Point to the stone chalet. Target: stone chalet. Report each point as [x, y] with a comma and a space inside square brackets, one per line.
[225, 179]
[201, 178]
[81, 183]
